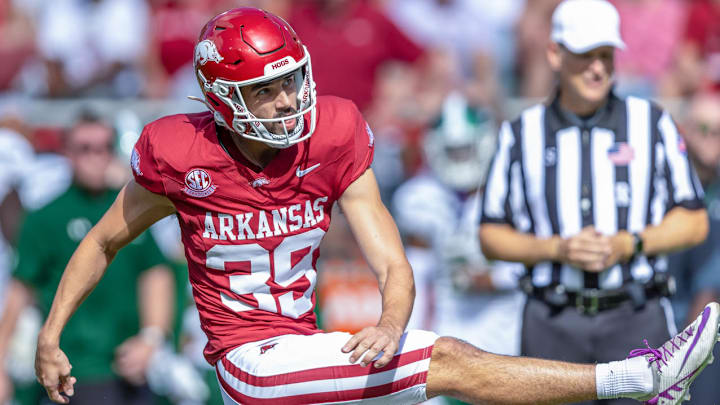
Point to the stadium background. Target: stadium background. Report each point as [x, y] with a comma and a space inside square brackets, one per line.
[131, 61]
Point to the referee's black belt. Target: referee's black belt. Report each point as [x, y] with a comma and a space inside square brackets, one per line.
[591, 301]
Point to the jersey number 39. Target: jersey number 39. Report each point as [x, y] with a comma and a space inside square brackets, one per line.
[256, 283]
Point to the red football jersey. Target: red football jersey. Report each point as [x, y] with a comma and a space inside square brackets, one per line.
[251, 237]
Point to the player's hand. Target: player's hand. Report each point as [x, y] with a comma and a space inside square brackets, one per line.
[588, 250]
[6, 386]
[52, 369]
[132, 358]
[371, 341]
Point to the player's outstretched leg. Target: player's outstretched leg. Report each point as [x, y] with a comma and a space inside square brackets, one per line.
[459, 370]
[660, 376]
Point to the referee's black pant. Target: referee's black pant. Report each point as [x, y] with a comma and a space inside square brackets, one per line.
[568, 335]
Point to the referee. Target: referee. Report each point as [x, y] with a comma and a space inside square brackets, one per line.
[590, 191]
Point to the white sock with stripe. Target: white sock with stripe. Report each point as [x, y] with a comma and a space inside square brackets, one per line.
[630, 378]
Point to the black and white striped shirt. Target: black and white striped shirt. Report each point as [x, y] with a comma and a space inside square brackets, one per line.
[623, 169]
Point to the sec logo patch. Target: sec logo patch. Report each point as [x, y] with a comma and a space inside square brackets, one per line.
[198, 183]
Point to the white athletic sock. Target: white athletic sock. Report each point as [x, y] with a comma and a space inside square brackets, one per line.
[630, 378]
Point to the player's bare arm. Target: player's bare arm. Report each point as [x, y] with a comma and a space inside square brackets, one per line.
[379, 240]
[134, 210]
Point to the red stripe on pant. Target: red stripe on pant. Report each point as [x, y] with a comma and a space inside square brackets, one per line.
[324, 373]
[327, 373]
[331, 396]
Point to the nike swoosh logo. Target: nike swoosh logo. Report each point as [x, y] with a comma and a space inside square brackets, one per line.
[301, 173]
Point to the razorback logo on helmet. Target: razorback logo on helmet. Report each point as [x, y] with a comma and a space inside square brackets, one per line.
[206, 51]
[278, 65]
[198, 183]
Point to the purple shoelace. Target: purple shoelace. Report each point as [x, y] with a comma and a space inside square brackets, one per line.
[656, 355]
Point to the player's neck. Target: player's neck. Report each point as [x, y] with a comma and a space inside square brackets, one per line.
[257, 153]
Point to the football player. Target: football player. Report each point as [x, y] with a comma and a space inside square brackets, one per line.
[437, 212]
[253, 182]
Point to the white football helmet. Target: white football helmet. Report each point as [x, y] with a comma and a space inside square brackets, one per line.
[459, 146]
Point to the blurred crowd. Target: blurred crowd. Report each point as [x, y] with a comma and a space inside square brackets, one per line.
[143, 48]
[400, 61]
[397, 59]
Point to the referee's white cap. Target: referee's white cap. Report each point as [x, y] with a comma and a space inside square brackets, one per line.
[583, 25]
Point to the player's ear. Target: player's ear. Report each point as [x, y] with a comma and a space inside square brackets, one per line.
[554, 55]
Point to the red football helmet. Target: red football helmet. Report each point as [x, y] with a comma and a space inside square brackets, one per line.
[246, 46]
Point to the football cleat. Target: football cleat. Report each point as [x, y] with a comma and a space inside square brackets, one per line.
[681, 359]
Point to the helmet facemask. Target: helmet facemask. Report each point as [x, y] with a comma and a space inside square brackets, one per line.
[247, 125]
